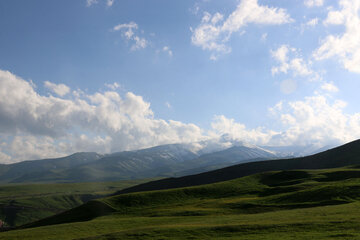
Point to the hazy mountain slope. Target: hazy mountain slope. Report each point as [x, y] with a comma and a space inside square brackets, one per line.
[11, 172]
[345, 155]
[165, 161]
[297, 150]
[118, 166]
[224, 158]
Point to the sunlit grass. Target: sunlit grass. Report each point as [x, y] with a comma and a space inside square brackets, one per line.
[321, 204]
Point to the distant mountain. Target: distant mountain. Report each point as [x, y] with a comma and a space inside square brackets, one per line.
[28, 169]
[116, 166]
[345, 155]
[224, 158]
[164, 161]
[297, 150]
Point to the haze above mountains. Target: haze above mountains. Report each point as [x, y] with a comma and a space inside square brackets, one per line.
[161, 161]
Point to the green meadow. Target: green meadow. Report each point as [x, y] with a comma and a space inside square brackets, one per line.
[315, 204]
[20, 204]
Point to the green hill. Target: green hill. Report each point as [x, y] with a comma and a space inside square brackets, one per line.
[299, 204]
[21, 204]
[345, 155]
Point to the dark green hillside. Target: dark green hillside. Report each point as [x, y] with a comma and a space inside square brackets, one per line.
[20, 204]
[295, 204]
[345, 155]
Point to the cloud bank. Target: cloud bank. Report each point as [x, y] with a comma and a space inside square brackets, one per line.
[42, 126]
[33, 126]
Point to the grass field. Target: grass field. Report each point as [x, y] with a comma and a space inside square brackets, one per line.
[321, 204]
[20, 204]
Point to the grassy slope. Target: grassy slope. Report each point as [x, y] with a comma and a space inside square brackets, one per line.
[20, 204]
[345, 155]
[313, 204]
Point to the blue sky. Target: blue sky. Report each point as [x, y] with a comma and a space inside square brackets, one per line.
[116, 75]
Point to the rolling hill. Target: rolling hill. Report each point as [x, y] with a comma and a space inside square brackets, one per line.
[295, 204]
[345, 155]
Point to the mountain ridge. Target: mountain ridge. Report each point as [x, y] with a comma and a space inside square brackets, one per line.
[159, 161]
[345, 155]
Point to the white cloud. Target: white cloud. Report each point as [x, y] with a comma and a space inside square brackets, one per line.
[312, 22]
[129, 29]
[316, 120]
[128, 32]
[238, 131]
[296, 64]
[139, 43]
[4, 158]
[59, 89]
[330, 87]
[113, 86]
[167, 50]
[346, 46]
[48, 126]
[109, 3]
[214, 32]
[319, 120]
[314, 3]
[91, 2]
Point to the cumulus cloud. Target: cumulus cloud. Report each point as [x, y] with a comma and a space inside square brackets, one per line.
[128, 32]
[289, 60]
[314, 3]
[238, 131]
[34, 126]
[315, 120]
[345, 46]
[46, 126]
[329, 87]
[59, 89]
[215, 31]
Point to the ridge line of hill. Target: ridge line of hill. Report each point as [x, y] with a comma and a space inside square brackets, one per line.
[345, 155]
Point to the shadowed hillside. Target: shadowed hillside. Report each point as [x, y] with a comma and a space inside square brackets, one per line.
[345, 155]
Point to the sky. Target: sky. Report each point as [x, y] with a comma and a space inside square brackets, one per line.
[114, 75]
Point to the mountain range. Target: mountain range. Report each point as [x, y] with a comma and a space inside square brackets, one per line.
[162, 161]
